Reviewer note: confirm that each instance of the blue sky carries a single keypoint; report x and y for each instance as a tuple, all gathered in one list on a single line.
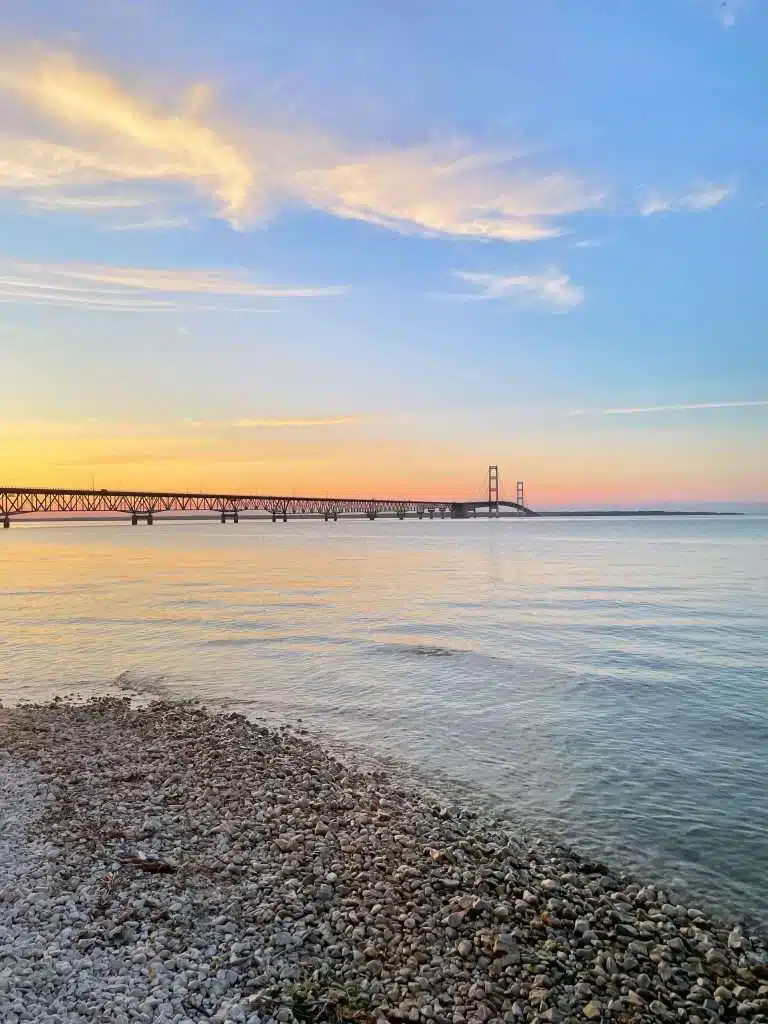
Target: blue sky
[(372, 247)]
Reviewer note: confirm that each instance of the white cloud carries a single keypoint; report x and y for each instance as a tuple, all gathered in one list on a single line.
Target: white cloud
[(90, 132), (139, 289), (681, 407), (551, 289), (701, 197)]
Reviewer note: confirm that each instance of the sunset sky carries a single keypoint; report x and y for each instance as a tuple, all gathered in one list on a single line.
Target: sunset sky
[(363, 248)]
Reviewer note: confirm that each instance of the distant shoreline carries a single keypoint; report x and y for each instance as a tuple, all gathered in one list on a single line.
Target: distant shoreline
[(636, 512)]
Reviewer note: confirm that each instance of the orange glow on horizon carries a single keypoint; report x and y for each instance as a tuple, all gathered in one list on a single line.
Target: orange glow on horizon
[(354, 466)]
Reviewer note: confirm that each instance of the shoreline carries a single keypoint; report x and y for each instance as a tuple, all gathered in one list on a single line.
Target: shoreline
[(285, 881)]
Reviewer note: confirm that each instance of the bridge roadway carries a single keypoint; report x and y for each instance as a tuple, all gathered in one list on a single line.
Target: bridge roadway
[(145, 505)]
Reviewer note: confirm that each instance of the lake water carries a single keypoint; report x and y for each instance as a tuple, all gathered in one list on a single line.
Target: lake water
[(603, 680)]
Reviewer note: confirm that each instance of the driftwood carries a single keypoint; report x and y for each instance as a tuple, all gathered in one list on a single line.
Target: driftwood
[(152, 864)]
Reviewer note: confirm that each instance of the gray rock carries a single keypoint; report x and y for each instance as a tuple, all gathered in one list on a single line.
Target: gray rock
[(504, 944), (269, 896)]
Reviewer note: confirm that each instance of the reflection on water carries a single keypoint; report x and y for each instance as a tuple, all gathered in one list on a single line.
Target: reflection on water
[(606, 679)]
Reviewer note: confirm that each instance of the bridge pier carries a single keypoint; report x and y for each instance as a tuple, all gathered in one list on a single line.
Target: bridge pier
[(6, 522), (230, 515), (136, 516)]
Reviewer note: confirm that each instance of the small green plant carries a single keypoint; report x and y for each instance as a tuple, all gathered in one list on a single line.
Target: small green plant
[(312, 1004)]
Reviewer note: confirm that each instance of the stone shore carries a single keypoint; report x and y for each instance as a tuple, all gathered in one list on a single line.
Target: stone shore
[(167, 865)]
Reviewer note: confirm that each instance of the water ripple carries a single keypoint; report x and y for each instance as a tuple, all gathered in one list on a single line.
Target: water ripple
[(602, 679)]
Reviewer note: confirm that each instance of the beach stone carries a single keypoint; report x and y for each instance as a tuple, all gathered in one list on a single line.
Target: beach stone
[(275, 901), (736, 940), (505, 944)]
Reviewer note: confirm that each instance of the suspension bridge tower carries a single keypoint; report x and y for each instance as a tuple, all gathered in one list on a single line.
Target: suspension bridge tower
[(493, 491), (494, 499)]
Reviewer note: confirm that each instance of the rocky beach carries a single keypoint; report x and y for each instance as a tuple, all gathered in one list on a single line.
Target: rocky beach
[(165, 864)]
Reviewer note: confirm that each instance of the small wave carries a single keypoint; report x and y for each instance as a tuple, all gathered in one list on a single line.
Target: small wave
[(152, 686), (230, 641)]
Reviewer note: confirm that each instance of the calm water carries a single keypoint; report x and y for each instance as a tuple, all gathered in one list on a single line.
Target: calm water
[(604, 680)]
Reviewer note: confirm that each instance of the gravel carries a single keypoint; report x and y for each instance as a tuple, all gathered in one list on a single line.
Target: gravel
[(164, 864)]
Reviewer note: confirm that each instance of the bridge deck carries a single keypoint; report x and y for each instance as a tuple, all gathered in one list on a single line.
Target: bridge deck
[(15, 501)]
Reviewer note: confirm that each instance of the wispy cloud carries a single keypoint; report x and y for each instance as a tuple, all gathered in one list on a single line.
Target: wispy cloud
[(91, 132), (47, 428), (139, 289), (164, 430), (446, 190), (551, 289), (154, 224), (701, 197), (680, 407), (248, 423), (64, 203)]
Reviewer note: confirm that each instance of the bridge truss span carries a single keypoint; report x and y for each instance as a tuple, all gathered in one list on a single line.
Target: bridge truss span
[(146, 505)]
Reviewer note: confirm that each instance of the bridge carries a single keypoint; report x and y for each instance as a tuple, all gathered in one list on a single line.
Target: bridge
[(144, 506)]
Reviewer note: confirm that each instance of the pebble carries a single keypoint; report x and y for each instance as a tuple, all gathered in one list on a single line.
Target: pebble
[(295, 880)]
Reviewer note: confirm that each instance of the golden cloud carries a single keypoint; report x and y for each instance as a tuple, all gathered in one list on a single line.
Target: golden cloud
[(135, 140), (109, 135)]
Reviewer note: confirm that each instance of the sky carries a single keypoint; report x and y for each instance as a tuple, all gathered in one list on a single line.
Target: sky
[(353, 248)]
